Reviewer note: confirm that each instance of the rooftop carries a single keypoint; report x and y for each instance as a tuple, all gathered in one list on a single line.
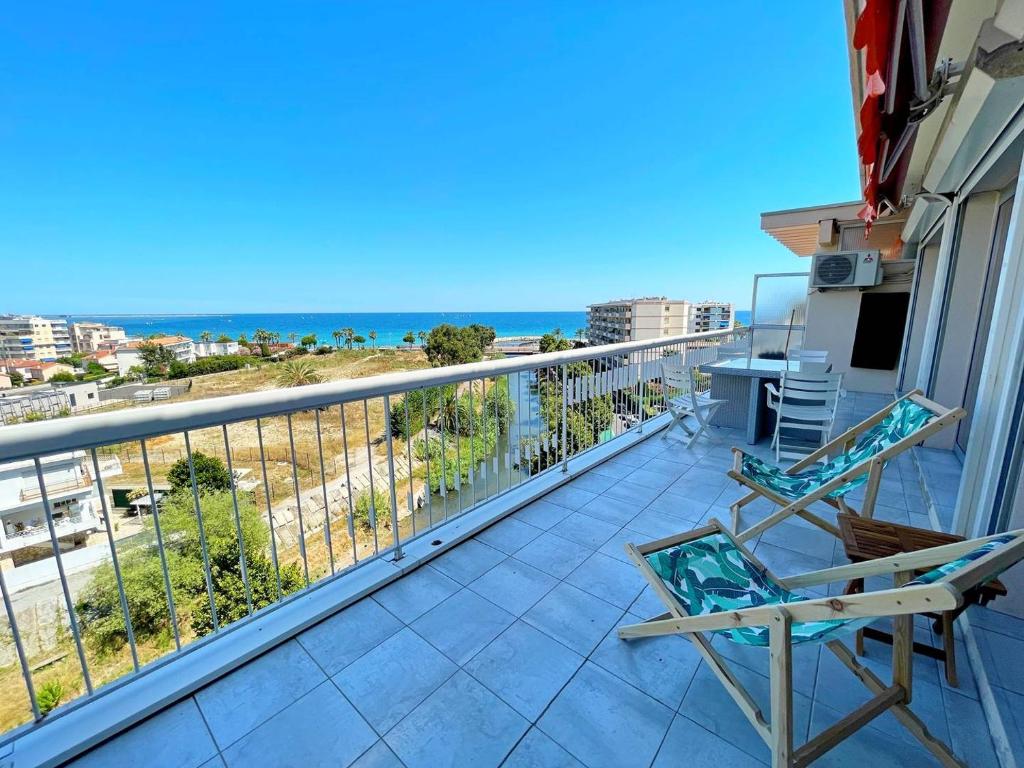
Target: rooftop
[(503, 650)]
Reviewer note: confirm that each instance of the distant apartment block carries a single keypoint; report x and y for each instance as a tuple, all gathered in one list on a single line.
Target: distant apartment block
[(30, 337), (74, 502), (709, 316), (93, 337), (129, 356), (650, 317), (210, 348)]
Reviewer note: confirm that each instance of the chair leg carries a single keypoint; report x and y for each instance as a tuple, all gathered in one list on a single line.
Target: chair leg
[(949, 646), (781, 647)]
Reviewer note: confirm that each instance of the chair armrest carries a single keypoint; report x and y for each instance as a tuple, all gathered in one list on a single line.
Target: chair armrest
[(899, 601)]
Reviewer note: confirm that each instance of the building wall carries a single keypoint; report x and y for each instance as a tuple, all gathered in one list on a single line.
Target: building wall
[(928, 257)]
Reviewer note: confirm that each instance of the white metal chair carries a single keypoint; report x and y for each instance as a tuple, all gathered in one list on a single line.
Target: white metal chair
[(683, 399), (808, 355), (803, 403)]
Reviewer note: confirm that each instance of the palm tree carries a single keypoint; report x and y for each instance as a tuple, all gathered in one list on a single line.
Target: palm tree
[(580, 333), (298, 373), (206, 336), (293, 337), (349, 334), (422, 335), (337, 338), (557, 333), (373, 338)]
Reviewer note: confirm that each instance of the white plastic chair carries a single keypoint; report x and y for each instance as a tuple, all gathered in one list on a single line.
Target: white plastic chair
[(683, 399), (805, 402), (808, 355)]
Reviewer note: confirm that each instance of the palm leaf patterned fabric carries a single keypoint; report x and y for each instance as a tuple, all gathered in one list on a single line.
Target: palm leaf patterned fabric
[(712, 575), (945, 570), (904, 420)]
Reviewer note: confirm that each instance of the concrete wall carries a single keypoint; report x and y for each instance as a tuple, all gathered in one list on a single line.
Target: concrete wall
[(832, 325)]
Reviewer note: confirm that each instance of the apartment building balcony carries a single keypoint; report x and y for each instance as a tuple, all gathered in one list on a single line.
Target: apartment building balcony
[(489, 638), (19, 533)]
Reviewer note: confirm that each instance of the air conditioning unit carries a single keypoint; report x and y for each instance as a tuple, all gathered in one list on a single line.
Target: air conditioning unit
[(846, 269)]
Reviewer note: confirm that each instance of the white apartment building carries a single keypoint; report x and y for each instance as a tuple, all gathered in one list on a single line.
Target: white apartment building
[(709, 316), (74, 501), (129, 356), (34, 338), (92, 337), (621, 320), (210, 348)]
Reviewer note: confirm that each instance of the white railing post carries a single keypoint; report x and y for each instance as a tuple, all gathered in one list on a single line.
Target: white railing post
[(391, 476), (565, 428)]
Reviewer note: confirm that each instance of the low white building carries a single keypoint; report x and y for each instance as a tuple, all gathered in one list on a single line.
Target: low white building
[(129, 356), (211, 348), (74, 504)]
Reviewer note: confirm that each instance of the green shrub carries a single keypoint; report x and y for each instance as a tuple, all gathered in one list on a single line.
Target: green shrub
[(211, 474), (49, 696), (381, 510)]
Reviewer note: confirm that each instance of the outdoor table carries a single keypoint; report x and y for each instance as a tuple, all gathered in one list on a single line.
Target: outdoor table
[(865, 539), (740, 382)]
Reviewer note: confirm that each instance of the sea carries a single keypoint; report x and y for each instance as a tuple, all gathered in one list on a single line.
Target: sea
[(390, 326)]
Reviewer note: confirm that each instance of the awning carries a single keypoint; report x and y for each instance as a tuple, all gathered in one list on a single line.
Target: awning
[(799, 229), (899, 40)]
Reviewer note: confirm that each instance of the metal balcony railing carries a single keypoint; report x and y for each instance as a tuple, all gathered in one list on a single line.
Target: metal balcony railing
[(340, 474)]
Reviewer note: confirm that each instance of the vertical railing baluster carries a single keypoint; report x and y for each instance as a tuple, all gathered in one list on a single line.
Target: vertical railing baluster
[(207, 572), (565, 428), (298, 500), (242, 563), (348, 488), (323, 486), (444, 454), (173, 614), (26, 671), (497, 427), (428, 492), (408, 456), (270, 510), (472, 446), (369, 467), (115, 562), (55, 543), (391, 476)]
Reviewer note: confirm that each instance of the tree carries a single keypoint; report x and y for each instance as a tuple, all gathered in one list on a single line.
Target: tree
[(484, 332), (350, 335), (293, 337), (422, 336), (243, 339), (223, 339), (206, 336), (211, 474), (373, 338), (99, 606), (450, 345), (17, 379), (360, 340), (554, 342), (581, 334), (62, 376), (155, 358), (308, 341), (337, 338), (409, 338), (298, 373)]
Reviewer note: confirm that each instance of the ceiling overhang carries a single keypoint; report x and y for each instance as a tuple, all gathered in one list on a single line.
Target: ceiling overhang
[(800, 229)]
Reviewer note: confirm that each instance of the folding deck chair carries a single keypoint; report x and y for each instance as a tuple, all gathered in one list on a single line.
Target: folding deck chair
[(861, 454), (682, 399), (803, 403), (710, 583)]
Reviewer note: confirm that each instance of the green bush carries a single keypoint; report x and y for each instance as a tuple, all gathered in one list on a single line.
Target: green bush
[(211, 474), (381, 510), (204, 365), (49, 696), (99, 606)]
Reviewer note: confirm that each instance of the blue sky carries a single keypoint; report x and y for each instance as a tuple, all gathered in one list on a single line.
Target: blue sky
[(385, 156)]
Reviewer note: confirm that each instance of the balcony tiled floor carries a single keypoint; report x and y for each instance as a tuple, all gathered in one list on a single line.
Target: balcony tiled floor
[(503, 652)]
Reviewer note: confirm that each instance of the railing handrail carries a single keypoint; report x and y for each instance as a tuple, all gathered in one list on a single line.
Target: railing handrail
[(23, 441)]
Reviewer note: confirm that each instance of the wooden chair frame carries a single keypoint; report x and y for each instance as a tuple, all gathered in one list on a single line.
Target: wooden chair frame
[(872, 467), (901, 603)]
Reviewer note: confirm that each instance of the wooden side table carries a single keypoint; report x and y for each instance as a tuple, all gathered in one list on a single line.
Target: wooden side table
[(866, 539)]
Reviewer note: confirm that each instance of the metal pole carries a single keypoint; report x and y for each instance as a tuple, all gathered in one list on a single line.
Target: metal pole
[(270, 512), (26, 672), (298, 500), (565, 431), (391, 474), (160, 547), (207, 573), (238, 527), (323, 485)]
